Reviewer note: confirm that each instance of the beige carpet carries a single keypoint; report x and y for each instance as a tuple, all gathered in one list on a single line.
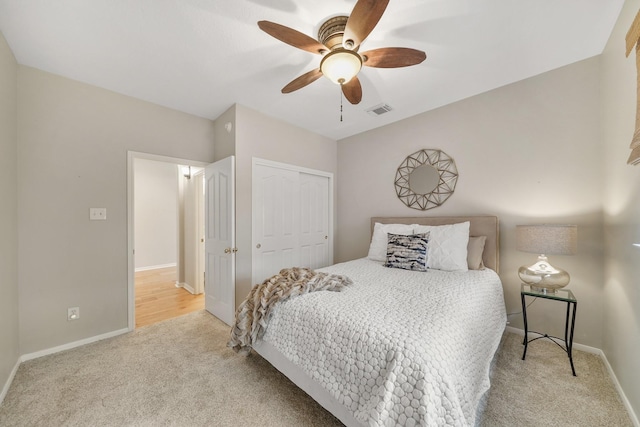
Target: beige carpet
[(179, 373)]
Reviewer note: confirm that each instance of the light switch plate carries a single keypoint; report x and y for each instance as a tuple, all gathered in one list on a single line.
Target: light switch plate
[(97, 214)]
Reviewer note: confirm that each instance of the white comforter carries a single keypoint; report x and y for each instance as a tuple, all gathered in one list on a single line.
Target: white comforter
[(397, 347)]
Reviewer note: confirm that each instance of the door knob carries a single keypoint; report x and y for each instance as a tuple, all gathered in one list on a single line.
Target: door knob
[(258, 246), (227, 250)]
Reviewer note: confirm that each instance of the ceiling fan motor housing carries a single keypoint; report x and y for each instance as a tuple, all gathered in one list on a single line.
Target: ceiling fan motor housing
[(331, 31)]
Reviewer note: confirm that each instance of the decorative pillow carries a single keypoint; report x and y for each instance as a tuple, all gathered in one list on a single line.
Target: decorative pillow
[(475, 248), (378, 247), (408, 252), (447, 246)]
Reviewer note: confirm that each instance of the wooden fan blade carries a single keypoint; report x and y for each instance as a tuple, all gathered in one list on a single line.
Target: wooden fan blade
[(363, 18), (392, 57), (353, 91), (302, 81), (292, 37)]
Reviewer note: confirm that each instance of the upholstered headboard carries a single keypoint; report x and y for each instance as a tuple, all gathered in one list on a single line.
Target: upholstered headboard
[(479, 226)]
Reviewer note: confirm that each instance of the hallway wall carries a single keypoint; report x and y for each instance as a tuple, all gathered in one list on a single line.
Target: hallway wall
[(156, 213)]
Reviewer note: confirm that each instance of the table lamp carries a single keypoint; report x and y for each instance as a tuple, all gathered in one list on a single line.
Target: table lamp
[(546, 239)]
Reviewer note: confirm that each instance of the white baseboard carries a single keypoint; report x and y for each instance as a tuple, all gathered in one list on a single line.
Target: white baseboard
[(612, 375), (625, 401), (186, 287), (7, 384), (155, 267), (71, 345), (46, 352)]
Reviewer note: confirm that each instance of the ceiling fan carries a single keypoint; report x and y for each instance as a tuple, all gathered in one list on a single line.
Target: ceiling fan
[(339, 40)]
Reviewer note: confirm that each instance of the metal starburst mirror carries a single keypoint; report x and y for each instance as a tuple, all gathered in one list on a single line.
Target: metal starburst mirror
[(426, 179)]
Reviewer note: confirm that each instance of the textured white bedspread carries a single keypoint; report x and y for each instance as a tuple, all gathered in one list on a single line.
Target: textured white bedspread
[(397, 347)]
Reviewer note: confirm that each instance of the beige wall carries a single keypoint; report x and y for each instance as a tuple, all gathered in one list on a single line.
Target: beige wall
[(261, 136), (528, 152), (621, 342), (72, 155), (9, 350), (225, 145)]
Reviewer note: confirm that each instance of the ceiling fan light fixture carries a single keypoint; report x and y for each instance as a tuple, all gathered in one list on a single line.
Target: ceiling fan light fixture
[(339, 40), (341, 65)]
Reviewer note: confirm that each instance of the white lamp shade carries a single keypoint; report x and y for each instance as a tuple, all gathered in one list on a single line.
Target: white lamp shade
[(341, 65), (548, 239)]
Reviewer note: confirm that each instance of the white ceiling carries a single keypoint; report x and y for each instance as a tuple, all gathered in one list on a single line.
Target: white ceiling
[(202, 56)]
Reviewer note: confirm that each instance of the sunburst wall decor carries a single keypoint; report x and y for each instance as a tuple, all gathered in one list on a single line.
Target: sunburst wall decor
[(426, 179)]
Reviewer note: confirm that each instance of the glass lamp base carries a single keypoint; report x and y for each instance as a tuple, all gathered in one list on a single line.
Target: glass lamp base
[(543, 276)]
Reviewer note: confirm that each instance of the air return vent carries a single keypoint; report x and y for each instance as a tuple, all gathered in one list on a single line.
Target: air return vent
[(379, 109)]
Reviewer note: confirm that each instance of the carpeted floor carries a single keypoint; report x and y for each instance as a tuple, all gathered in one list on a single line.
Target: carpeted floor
[(179, 373), (541, 391)]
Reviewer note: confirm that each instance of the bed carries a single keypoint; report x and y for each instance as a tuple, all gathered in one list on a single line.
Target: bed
[(397, 347)]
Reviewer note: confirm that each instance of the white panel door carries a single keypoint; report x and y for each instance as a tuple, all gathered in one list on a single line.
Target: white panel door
[(275, 221), (220, 239), (314, 221)]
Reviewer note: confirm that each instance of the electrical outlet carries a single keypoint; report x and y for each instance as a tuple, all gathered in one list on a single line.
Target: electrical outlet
[(98, 214), (73, 313)]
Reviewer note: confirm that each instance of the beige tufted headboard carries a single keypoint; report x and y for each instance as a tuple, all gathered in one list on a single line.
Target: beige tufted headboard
[(479, 226)]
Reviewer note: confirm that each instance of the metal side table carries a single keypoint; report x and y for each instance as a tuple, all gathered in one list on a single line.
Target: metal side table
[(563, 295)]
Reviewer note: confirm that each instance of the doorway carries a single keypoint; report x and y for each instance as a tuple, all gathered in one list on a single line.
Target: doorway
[(165, 237)]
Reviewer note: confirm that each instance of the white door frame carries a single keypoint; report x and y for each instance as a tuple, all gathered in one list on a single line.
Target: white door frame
[(255, 161), (131, 156), (200, 261)]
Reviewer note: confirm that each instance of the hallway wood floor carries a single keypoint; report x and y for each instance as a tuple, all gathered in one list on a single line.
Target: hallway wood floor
[(158, 298)]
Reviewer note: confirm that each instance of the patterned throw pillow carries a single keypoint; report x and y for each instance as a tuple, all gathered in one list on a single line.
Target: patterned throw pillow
[(379, 240), (408, 252)]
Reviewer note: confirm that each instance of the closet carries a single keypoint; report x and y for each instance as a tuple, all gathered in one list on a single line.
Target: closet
[(292, 218)]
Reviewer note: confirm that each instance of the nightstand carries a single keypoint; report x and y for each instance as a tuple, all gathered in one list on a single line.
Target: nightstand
[(562, 295)]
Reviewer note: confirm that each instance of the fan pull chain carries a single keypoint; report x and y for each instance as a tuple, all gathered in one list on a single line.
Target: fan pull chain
[(341, 102)]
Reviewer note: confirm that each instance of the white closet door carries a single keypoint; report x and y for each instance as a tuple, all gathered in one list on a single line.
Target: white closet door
[(314, 221), (276, 219), (292, 218)]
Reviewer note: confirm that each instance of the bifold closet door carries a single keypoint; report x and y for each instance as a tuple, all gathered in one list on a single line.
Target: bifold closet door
[(276, 216), (290, 220), (314, 220)]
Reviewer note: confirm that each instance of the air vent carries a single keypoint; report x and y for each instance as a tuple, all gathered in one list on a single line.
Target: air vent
[(379, 109)]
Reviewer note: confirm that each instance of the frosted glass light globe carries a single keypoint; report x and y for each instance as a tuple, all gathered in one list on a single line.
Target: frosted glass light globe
[(341, 65)]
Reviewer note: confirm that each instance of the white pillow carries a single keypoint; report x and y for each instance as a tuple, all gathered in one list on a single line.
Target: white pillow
[(379, 240), (447, 246)]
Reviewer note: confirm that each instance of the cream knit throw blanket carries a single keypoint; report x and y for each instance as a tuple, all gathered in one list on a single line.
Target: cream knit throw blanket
[(252, 315)]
